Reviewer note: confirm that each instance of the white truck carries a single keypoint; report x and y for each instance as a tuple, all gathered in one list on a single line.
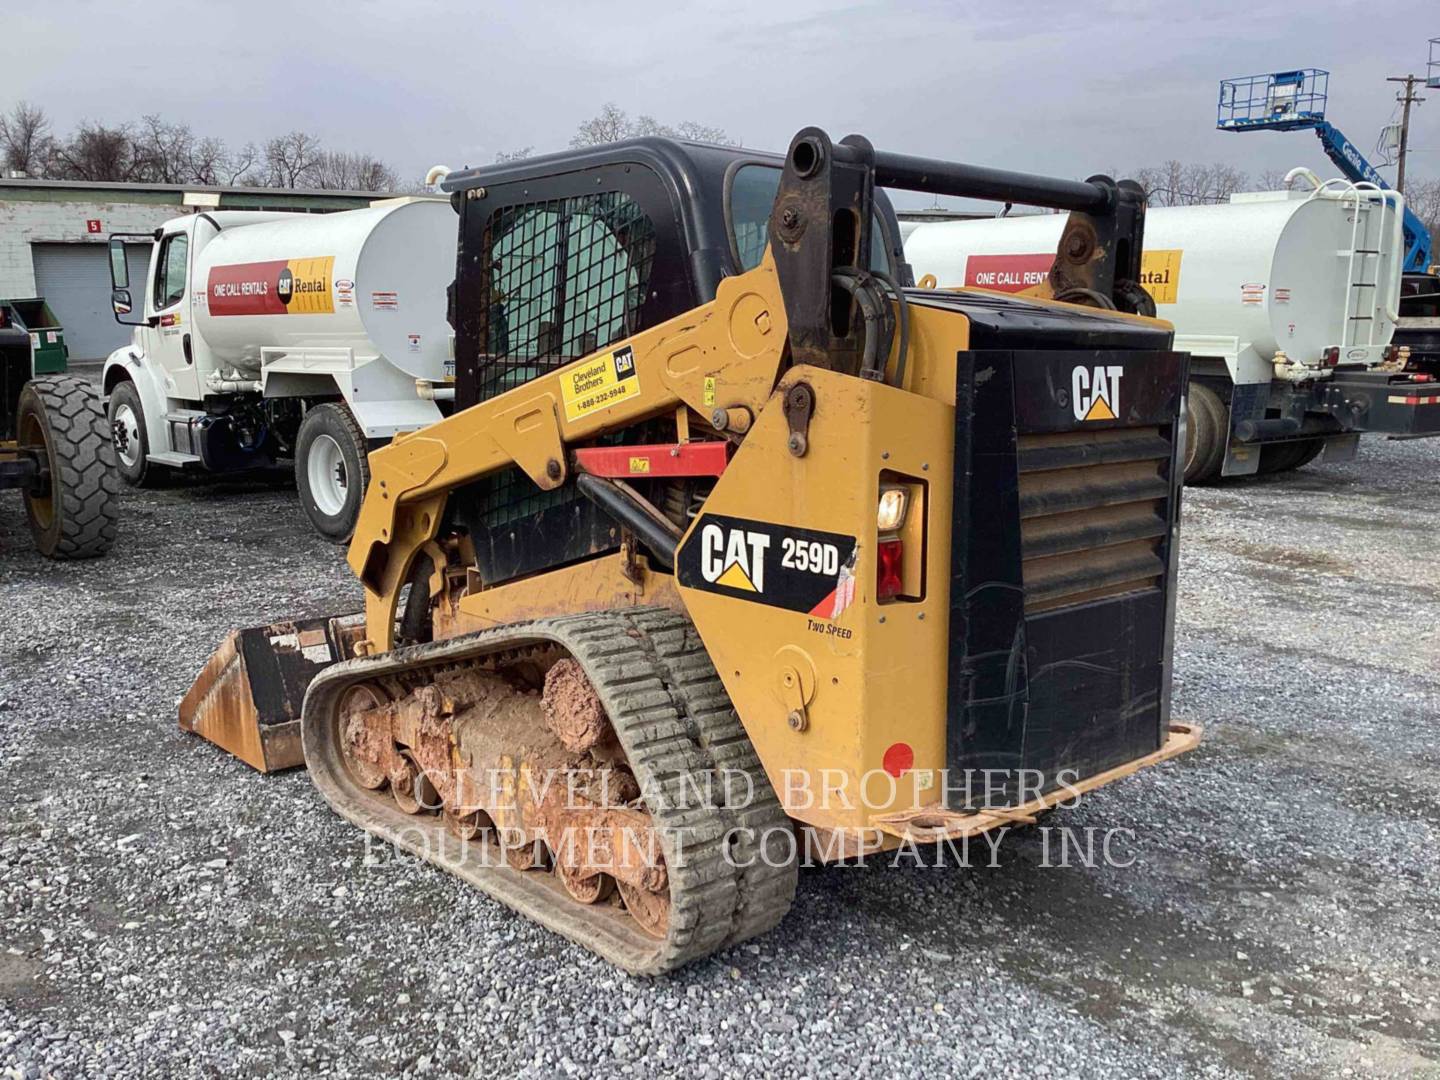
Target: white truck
[(261, 336), (1286, 300)]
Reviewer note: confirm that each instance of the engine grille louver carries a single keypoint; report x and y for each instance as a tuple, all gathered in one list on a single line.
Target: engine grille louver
[(1093, 512)]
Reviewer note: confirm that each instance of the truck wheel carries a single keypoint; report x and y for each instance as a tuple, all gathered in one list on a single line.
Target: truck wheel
[(1207, 428), (332, 470), (1288, 456), (75, 517), (1312, 451), (130, 439)]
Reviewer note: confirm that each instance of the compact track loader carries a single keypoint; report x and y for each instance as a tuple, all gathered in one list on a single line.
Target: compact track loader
[(732, 530)]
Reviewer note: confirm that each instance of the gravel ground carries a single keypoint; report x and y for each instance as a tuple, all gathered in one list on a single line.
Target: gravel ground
[(166, 911)]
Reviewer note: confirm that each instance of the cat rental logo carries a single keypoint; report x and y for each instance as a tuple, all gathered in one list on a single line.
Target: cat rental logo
[(1095, 392), (736, 560)]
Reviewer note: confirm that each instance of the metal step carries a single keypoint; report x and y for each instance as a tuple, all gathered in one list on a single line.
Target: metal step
[(175, 458)]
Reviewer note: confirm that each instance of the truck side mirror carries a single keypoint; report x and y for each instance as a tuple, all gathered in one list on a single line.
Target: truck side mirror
[(122, 305), (119, 270)]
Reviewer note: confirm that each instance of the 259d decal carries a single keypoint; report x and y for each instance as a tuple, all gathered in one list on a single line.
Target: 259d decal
[(778, 565)]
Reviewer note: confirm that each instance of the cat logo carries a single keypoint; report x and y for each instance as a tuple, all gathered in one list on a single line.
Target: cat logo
[(734, 558), (1095, 392)]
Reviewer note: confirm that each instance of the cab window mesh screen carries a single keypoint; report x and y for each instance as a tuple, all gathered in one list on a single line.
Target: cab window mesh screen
[(566, 277)]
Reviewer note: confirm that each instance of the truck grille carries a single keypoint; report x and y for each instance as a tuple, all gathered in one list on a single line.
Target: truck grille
[(1093, 513)]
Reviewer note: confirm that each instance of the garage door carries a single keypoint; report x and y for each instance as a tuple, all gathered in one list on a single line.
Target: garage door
[(74, 279)]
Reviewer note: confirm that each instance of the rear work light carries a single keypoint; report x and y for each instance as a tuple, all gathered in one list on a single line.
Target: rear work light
[(894, 502), (889, 572), (900, 533)]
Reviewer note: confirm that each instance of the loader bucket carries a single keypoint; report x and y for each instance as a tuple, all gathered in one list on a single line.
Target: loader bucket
[(247, 698)]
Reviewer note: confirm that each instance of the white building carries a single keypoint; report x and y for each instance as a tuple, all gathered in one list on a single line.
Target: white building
[(53, 237)]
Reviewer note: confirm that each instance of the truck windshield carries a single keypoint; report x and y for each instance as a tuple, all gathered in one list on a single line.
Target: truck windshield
[(752, 194)]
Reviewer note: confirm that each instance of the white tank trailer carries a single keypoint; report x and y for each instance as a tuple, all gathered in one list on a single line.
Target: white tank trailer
[(1287, 302), (261, 336)]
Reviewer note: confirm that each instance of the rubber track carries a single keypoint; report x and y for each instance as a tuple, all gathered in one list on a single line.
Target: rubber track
[(85, 484), (660, 693), (767, 878)]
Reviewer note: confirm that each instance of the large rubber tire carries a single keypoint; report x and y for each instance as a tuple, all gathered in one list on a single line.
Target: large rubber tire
[(1207, 432), (76, 518), (332, 470), (130, 439)]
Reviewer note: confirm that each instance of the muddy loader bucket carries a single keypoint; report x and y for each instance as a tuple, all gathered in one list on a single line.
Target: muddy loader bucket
[(247, 699)]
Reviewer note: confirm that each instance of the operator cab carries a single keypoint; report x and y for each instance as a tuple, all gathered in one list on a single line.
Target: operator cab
[(562, 254)]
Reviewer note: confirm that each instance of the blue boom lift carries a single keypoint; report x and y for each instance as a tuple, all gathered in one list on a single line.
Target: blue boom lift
[(1295, 101)]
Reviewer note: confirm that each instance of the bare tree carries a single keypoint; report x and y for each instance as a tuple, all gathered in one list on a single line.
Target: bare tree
[(164, 153), (1175, 184), (161, 152), (338, 171), (291, 160), (239, 167), (644, 124), (211, 163), (25, 142), (613, 124), (515, 155), (1273, 180), (695, 132), (97, 152), (1423, 197)]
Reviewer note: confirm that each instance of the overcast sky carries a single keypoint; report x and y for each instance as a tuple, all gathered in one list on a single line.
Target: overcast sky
[(1064, 88)]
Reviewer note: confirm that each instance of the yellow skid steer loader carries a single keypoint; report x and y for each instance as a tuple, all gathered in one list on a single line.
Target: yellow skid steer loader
[(733, 530)]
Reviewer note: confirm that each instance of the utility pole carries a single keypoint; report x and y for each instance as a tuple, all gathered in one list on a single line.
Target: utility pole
[(1405, 99)]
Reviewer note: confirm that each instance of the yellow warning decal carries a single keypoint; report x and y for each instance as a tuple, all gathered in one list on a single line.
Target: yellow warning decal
[(1160, 274), (596, 384), (639, 464), (708, 397)]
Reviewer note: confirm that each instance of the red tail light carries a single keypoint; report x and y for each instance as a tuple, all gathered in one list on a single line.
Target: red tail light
[(889, 582), (1330, 357)]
